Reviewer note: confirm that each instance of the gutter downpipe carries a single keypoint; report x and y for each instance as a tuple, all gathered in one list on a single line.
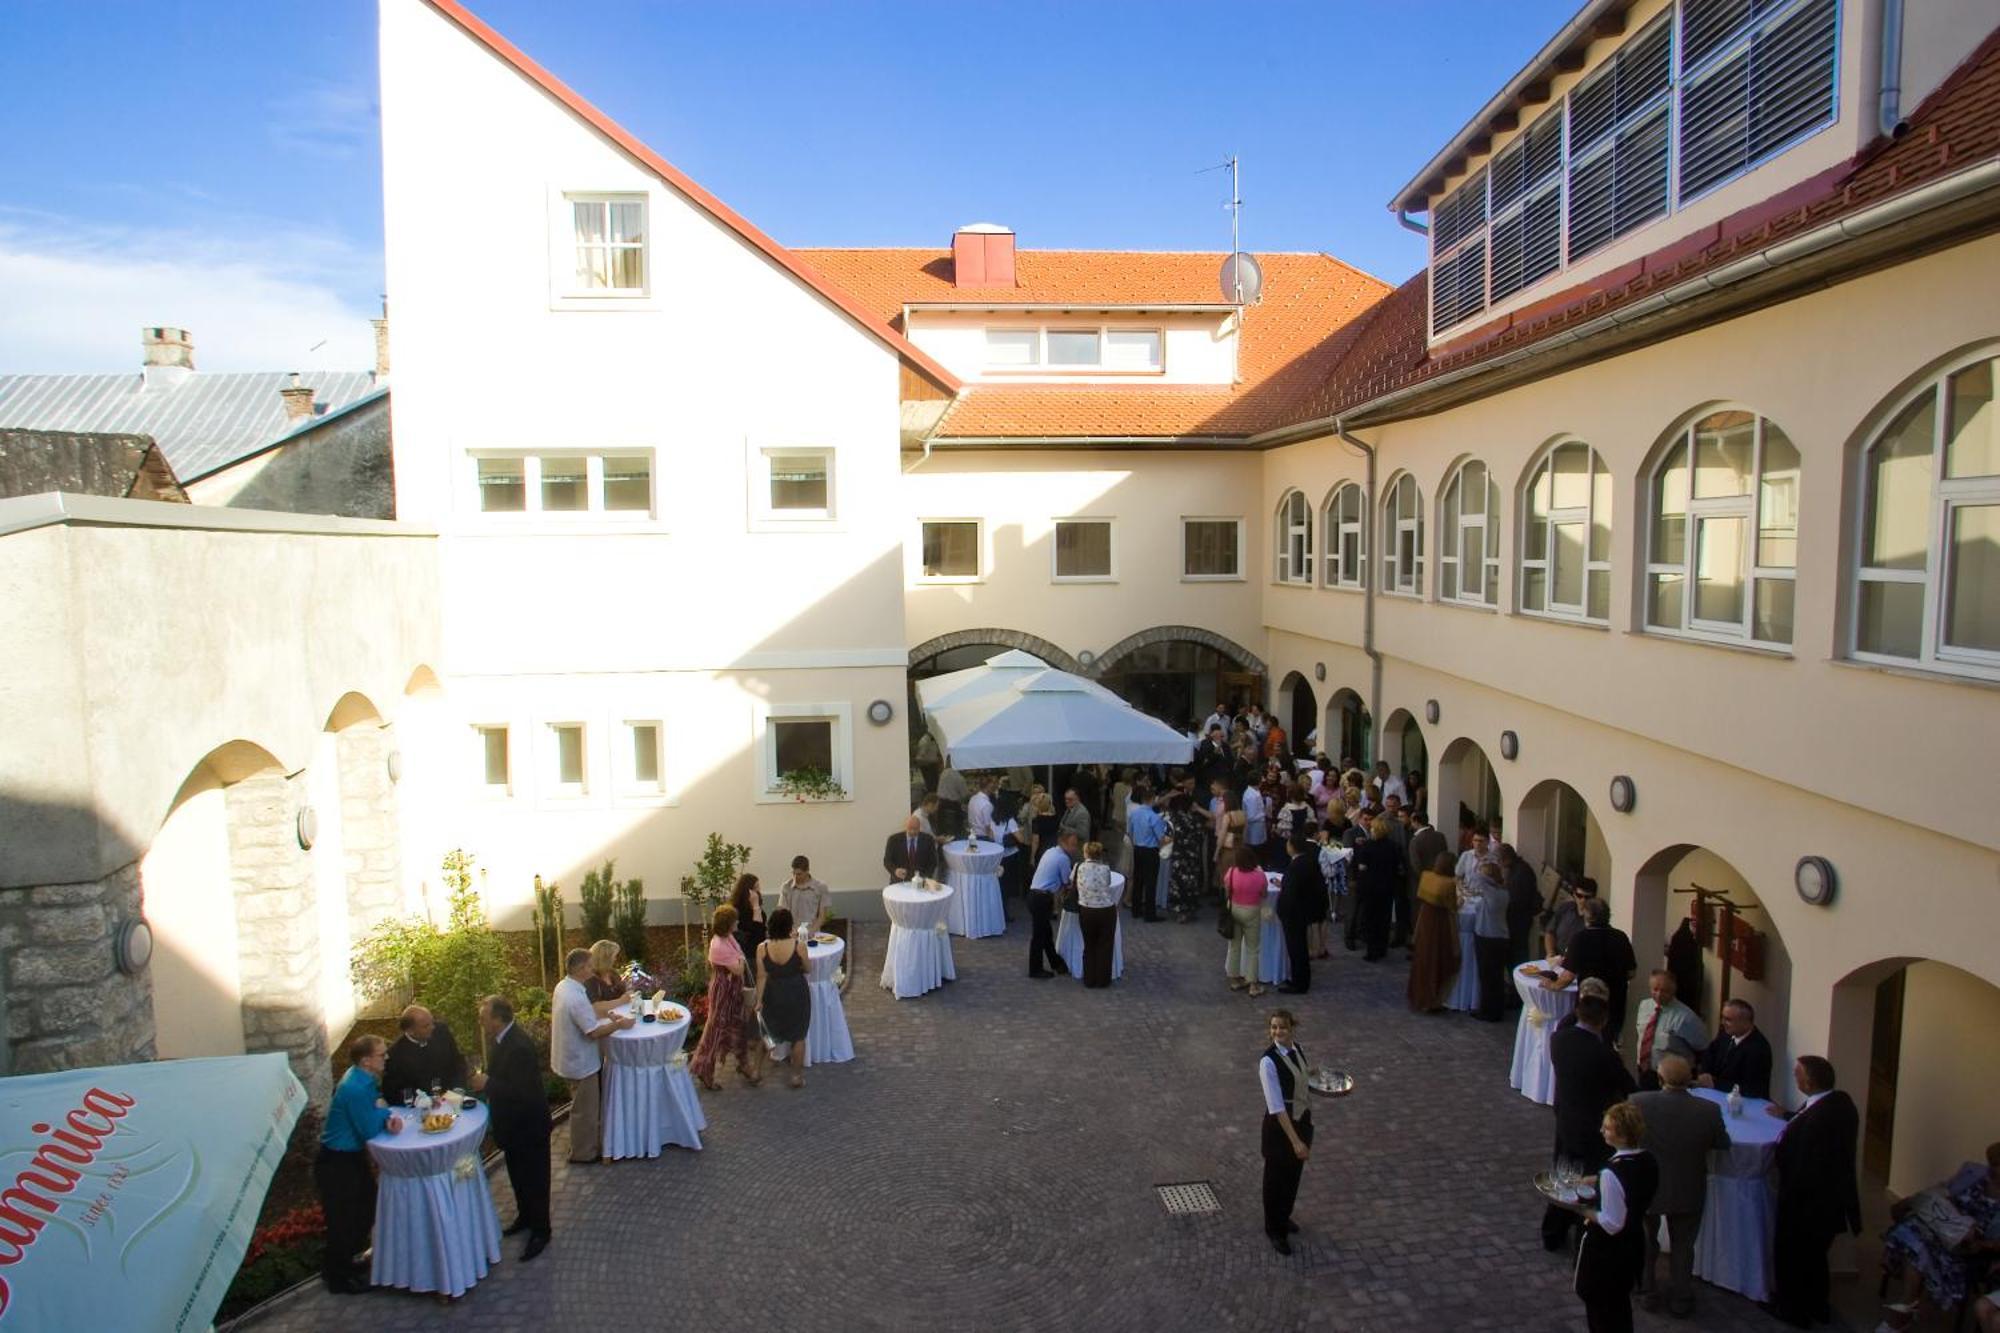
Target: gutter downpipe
[(1403, 217), (1367, 596), (1889, 100)]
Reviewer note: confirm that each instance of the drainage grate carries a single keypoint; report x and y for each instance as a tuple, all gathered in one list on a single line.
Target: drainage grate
[(1190, 1198)]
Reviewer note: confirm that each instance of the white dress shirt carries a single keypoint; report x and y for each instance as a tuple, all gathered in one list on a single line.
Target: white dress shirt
[(979, 814), (1274, 1091), (573, 1052)]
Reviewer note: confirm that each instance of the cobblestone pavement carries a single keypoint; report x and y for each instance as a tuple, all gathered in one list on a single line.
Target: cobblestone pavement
[(988, 1162)]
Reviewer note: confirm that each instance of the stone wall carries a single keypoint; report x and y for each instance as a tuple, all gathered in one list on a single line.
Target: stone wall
[(67, 1004), (277, 926), (369, 834)]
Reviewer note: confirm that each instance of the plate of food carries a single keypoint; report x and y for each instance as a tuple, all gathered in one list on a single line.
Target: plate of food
[(1330, 1082), (1558, 1190), (437, 1122), (824, 938), (671, 1015)]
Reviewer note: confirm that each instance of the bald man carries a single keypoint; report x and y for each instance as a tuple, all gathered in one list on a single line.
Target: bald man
[(424, 1054)]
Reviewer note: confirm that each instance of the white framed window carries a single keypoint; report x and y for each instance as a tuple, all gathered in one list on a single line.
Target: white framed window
[(794, 738), (1081, 551), (794, 485), (1211, 549), (642, 761), (1347, 537), (1566, 535), (1293, 530), (1722, 540), (494, 758), (1755, 79), (1469, 537), (1403, 537), (1071, 347), (561, 485), (608, 244), (567, 763), (1927, 590), (951, 549)]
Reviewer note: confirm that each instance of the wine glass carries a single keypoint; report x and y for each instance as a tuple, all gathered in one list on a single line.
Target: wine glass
[(409, 1098)]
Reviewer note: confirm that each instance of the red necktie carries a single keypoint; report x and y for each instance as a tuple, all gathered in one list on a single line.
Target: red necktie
[(1646, 1039)]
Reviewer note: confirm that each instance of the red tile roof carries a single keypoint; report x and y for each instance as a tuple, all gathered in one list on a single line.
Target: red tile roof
[(1957, 126), (1291, 338)]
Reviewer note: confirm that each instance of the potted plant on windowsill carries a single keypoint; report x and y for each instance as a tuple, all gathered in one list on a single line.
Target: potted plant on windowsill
[(809, 784)]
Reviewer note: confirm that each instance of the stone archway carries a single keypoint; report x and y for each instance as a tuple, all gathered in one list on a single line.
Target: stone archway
[(1001, 638), (1661, 900), (1348, 733), (1145, 638), (1403, 745), (1466, 786), (1297, 710)]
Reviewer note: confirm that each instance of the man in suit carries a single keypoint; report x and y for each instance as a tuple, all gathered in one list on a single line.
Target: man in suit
[(1301, 901), (426, 1053), (1740, 1055), (911, 854), (1426, 845), (1818, 1195), (1589, 1078), (520, 1107), (1681, 1130)]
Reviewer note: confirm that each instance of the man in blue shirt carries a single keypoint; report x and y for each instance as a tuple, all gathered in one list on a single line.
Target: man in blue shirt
[(1050, 877), (346, 1185), (1147, 831)]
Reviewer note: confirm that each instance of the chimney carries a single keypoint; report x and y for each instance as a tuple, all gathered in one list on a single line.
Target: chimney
[(381, 327), (298, 399), (167, 356), (982, 255)]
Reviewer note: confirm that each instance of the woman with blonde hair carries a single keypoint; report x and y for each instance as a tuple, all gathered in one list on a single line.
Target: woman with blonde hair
[(727, 1032), (604, 986), (1379, 875), (1613, 1249), (1043, 825), (1096, 915)]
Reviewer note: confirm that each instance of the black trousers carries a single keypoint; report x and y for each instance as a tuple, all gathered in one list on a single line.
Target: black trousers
[(1042, 955), (1146, 882), (1297, 952), (1100, 935), (1282, 1170), (1405, 926), (1798, 1263), (1374, 909), (528, 1173), (1608, 1313), (347, 1194), (1493, 988)]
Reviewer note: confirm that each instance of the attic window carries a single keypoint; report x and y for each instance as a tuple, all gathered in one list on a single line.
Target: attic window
[(1071, 348), (1757, 78)]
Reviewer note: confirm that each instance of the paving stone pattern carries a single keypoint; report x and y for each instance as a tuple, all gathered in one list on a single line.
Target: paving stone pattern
[(988, 1161)]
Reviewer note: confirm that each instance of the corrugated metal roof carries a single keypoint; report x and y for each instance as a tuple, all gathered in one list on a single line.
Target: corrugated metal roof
[(204, 422)]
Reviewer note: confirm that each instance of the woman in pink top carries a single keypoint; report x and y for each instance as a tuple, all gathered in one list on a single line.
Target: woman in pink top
[(726, 1032), (1244, 884)]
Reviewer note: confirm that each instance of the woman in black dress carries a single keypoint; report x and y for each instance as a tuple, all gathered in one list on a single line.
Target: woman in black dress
[(748, 900), (1187, 873), (783, 1001)]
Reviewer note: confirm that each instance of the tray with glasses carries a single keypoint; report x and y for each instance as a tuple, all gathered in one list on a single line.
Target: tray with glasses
[(1564, 1187), (1327, 1082)]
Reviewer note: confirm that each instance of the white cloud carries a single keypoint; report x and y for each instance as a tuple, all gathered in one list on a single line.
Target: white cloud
[(75, 300), (324, 119)]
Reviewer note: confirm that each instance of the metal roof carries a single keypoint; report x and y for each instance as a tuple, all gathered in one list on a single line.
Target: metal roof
[(204, 422)]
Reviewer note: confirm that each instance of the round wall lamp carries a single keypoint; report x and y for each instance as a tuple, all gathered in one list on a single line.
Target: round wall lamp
[(1813, 877), (308, 827), (880, 712), (1086, 659), (1431, 711), (1319, 671), (1623, 794), (395, 765), (1510, 745), (132, 946)]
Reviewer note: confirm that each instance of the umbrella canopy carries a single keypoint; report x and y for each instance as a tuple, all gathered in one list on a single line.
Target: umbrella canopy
[(1045, 717), (132, 1189), (997, 673)]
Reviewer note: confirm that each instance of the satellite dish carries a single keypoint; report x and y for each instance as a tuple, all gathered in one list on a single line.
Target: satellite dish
[(1242, 280)]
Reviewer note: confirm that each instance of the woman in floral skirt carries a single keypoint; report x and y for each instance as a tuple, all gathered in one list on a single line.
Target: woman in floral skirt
[(726, 1033), (1187, 873)]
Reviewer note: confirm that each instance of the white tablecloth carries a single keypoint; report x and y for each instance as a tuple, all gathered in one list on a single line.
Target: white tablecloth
[(1734, 1248), (649, 1098), (973, 869), (1540, 1010), (1166, 874), (1274, 965), (435, 1228), (1069, 938), (827, 1041), (919, 954), (1465, 990)]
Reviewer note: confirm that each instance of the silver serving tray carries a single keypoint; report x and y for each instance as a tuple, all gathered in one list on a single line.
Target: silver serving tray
[(1329, 1082), (1546, 1186)]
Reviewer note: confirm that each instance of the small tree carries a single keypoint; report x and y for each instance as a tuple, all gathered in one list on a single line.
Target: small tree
[(548, 924), (713, 878), (628, 919), (448, 970), (595, 896)]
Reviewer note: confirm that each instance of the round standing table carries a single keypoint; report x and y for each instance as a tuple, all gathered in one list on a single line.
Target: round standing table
[(649, 1098), (919, 954), (1541, 1009), (1465, 990), (1069, 937), (973, 870), (1740, 1214), (435, 1228), (827, 1041)]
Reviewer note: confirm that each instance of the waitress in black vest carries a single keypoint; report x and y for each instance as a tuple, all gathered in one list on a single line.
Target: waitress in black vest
[(1613, 1248), (1288, 1128)]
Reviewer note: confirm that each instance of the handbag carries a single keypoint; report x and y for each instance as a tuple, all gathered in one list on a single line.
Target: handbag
[(1225, 921)]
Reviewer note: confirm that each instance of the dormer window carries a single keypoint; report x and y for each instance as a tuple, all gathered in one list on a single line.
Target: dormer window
[(1068, 348)]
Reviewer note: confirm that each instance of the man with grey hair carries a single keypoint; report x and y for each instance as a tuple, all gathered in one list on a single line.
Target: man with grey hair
[(1681, 1131), (574, 1030)]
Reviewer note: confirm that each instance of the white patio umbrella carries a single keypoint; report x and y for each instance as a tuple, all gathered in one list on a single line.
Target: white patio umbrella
[(1048, 717)]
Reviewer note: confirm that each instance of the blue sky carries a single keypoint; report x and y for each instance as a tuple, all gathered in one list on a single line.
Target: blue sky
[(216, 164)]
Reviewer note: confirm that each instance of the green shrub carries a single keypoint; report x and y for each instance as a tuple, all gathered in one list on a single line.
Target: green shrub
[(713, 878), (595, 897), (548, 923), (449, 970), (628, 919)]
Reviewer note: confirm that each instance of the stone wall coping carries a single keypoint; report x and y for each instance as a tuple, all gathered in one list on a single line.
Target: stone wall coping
[(27, 512)]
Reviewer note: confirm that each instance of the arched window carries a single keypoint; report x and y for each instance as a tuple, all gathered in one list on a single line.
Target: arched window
[(1469, 537), (1347, 537), (1566, 536), (1403, 537), (1294, 529), (1722, 544), (1928, 587)]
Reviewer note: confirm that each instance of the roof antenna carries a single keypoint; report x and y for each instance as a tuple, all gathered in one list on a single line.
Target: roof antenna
[(1242, 280)]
